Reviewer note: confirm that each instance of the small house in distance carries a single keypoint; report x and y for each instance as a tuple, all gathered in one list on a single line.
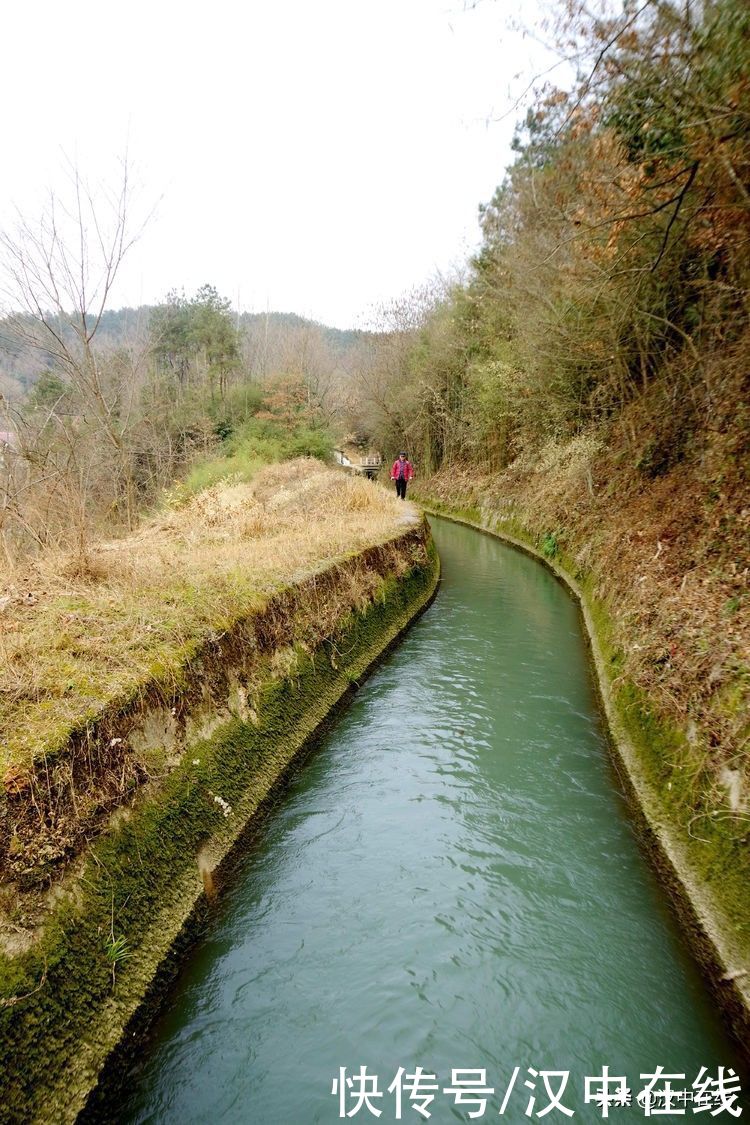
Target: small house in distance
[(355, 460)]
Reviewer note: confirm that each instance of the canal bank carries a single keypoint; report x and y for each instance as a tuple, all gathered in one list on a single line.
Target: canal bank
[(79, 958), (699, 874), (451, 881)]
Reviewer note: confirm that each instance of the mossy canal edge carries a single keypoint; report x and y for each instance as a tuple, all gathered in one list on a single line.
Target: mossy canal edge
[(120, 919), (709, 916)]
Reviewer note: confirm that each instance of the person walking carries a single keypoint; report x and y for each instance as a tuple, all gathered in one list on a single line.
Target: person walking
[(402, 472)]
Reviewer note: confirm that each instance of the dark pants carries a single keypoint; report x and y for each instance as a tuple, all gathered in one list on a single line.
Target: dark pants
[(401, 487)]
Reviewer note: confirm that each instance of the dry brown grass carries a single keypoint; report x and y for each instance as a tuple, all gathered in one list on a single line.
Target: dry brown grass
[(75, 635)]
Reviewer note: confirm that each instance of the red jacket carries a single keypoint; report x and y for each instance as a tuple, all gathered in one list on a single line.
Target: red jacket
[(408, 469)]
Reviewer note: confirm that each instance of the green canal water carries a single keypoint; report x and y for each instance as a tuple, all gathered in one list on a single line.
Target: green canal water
[(450, 882)]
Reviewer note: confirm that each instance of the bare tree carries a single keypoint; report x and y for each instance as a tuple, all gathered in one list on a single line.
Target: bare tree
[(57, 274)]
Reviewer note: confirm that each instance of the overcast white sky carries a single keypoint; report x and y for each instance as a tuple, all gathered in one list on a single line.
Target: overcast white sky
[(318, 155)]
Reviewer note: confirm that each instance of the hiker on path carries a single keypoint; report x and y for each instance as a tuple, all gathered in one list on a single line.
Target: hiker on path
[(402, 471)]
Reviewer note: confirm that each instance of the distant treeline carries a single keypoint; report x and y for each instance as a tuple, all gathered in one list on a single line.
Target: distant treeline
[(268, 336)]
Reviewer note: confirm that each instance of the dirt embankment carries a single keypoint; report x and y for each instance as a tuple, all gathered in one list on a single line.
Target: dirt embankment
[(260, 607)]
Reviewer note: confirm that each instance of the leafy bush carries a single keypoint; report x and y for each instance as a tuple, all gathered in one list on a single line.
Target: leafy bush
[(239, 404), (550, 547)]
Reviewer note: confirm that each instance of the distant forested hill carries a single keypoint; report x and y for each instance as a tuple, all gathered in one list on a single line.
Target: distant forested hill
[(272, 341)]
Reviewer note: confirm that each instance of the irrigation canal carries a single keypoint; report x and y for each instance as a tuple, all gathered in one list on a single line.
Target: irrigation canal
[(450, 882)]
